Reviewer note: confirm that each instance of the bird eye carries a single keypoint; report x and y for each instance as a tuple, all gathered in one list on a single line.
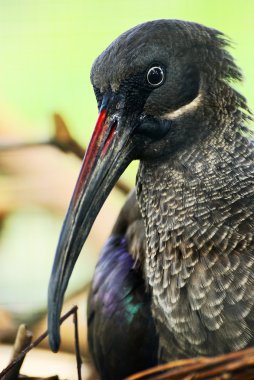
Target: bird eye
[(155, 76)]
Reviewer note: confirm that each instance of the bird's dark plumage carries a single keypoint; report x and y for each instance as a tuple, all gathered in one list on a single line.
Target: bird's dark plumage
[(164, 89), (119, 315), (119, 306)]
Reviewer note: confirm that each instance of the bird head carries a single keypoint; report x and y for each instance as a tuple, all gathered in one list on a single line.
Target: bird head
[(158, 87)]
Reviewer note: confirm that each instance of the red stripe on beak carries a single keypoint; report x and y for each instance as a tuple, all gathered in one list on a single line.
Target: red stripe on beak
[(91, 152)]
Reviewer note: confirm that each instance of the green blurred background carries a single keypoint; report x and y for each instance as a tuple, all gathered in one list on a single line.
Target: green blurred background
[(47, 48), (46, 51)]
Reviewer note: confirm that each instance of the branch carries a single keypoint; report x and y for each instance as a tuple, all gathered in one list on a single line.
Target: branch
[(63, 139), (20, 357), (234, 366)]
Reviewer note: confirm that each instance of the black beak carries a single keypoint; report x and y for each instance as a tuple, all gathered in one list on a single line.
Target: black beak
[(110, 151)]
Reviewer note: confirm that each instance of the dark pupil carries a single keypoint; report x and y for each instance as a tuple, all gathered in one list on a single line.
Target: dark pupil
[(155, 76)]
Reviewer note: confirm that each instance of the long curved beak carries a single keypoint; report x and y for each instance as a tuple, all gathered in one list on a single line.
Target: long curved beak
[(110, 151)]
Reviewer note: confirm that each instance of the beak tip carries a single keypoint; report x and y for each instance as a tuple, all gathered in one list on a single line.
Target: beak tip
[(54, 335), (54, 343), (54, 310)]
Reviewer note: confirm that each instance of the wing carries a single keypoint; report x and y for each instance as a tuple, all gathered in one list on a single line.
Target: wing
[(121, 331)]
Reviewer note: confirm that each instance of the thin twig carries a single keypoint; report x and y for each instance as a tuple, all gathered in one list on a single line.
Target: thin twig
[(63, 139), (4, 147), (77, 350), (24, 377), (73, 310), (163, 367)]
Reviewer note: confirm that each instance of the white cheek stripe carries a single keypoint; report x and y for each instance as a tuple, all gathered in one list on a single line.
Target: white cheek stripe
[(192, 106)]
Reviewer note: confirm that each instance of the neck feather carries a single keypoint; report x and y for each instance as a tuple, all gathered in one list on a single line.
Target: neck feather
[(194, 209)]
